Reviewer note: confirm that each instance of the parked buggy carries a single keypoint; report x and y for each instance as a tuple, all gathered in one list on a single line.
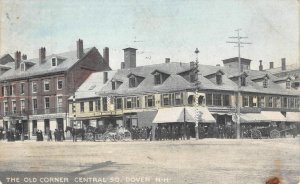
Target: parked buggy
[(273, 131), (102, 134)]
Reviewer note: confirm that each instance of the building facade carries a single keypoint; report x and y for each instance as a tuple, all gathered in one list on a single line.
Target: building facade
[(34, 92)]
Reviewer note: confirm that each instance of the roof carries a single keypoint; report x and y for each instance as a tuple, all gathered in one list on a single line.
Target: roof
[(235, 59), (291, 67), (69, 59), (6, 58)]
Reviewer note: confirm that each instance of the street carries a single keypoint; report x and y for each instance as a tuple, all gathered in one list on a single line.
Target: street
[(203, 161)]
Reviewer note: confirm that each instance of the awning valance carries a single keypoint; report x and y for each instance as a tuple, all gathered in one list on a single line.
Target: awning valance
[(293, 116), (183, 114), (273, 115), (252, 118)]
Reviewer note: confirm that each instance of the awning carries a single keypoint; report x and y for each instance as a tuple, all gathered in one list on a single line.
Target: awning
[(169, 115), (176, 115), (273, 115), (205, 117), (252, 118), (293, 116)]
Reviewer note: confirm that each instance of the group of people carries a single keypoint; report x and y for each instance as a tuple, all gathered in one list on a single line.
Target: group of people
[(58, 135), (140, 133)]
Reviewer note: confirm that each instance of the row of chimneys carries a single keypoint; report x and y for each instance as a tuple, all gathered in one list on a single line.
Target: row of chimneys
[(42, 54), (283, 64)]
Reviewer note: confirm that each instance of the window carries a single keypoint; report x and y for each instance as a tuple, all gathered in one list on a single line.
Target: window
[(91, 106), (47, 104), (261, 101), (226, 100), (132, 102), (59, 104), (129, 102), (81, 106), (284, 102), (46, 85), (178, 99), (22, 88), (270, 101), (119, 104), (265, 82), (34, 87), (22, 105), (209, 99), (104, 102), (11, 90), (219, 79), (166, 99), (149, 101), (34, 105), (291, 103), (157, 78), (34, 127), (22, 67), (288, 84), (297, 103), (132, 82), (6, 91), (113, 85), (217, 99), (98, 105), (59, 84), (245, 101), (14, 107), (5, 108), (243, 81), (54, 61), (250, 101)]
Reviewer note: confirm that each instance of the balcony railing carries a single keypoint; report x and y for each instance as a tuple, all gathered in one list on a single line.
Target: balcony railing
[(25, 112)]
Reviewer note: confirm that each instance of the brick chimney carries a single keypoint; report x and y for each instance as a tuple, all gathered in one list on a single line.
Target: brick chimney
[(17, 59), (24, 57), (106, 55), (167, 60), (130, 57), (79, 49), (105, 77), (260, 65), (42, 55), (271, 65), (283, 64)]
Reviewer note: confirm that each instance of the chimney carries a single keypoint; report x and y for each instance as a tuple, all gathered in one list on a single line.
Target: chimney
[(17, 59), (42, 55), (167, 60), (260, 65), (283, 64), (79, 49), (106, 55), (105, 77), (122, 65), (271, 65), (24, 57), (130, 57)]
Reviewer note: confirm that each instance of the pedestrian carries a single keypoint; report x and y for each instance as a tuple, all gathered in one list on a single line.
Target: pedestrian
[(49, 135), (41, 135)]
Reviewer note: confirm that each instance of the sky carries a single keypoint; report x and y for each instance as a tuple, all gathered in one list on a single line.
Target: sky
[(159, 29)]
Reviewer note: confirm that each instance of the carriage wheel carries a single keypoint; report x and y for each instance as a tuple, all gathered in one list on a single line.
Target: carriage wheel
[(274, 134), (89, 137), (255, 134)]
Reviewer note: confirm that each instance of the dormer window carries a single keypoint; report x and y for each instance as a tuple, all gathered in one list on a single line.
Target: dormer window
[(219, 79), (54, 62), (23, 67), (113, 85), (265, 82), (157, 78), (288, 84), (132, 81), (243, 81)]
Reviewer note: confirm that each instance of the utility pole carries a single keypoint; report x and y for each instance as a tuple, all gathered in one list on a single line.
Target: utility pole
[(196, 97), (240, 70)]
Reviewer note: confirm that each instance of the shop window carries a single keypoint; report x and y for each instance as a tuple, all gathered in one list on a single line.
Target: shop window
[(46, 126), (34, 127)]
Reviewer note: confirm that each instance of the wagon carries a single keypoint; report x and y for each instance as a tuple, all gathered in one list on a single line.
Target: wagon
[(271, 132), (98, 134)]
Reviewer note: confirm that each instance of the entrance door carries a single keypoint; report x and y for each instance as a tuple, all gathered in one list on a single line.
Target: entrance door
[(60, 123)]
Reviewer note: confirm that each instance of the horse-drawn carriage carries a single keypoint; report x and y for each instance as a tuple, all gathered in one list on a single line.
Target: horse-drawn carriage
[(272, 132), (100, 134)]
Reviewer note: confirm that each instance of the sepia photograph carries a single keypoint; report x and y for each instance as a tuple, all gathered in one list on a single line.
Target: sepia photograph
[(152, 91)]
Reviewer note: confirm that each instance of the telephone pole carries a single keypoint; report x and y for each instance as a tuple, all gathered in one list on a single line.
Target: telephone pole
[(239, 44)]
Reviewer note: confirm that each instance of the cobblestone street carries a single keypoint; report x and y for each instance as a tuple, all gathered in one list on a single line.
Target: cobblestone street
[(203, 161)]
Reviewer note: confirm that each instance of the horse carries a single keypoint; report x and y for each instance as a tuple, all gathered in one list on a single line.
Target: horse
[(75, 132)]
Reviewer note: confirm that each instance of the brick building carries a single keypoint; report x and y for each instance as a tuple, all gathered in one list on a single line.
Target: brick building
[(34, 92)]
